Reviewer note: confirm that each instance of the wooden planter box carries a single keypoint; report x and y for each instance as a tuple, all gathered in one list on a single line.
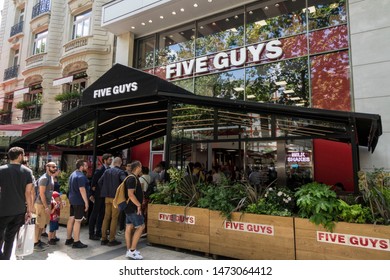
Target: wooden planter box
[(249, 236), (348, 241), (179, 227), (65, 211)]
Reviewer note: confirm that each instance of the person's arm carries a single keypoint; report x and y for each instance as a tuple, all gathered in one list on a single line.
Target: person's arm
[(42, 190), (83, 193), (133, 198)]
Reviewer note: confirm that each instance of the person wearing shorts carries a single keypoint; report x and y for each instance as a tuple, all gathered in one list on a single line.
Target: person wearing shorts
[(134, 217), (78, 185)]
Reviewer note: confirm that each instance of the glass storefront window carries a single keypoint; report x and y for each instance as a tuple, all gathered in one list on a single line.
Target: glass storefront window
[(325, 13), (282, 19), (145, 51), (223, 32), (176, 45), (192, 123), (284, 82), (187, 84), (229, 85), (81, 137)]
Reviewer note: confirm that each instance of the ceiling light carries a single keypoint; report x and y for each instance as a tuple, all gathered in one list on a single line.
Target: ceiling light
[(210, 1), (182, 33), (162, 17), (150, 21), (266, 8), (195, 5), (232, 30), (238, 89), (227, 19), (295, 98), (173, 13), (300, 104), (250, 96), (143, 23), (250, 12), (201, 27), (170, 36), (288, 91), (281, 83), (214, 23), (276, 5), (132, 27), (261, 23), (236, 16), (181, 10), (311, 9)]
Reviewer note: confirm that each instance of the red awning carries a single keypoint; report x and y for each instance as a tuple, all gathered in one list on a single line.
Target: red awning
[(23, 128)]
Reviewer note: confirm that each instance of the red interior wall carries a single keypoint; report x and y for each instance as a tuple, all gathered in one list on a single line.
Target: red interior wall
[(141, 152), (333, 163)]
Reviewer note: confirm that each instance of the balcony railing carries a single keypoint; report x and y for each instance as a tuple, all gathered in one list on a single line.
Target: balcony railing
[(32, 113), (17, 28), (76, 43), (6, 118), (11, 72), (41, 7), (70, 104)]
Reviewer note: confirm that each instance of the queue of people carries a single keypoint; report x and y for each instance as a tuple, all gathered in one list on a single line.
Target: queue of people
[(20, 200)]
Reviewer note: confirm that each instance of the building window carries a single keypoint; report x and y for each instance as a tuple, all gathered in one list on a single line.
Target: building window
[(40, 40), (145, 52), (81, 25)]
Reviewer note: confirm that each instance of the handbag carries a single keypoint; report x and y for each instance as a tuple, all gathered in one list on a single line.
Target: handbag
[(25, 239)]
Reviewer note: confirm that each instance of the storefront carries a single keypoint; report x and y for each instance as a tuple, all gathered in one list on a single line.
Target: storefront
[(127, 107)]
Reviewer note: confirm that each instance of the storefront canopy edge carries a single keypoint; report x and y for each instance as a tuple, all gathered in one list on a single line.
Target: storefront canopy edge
[(131, 107)]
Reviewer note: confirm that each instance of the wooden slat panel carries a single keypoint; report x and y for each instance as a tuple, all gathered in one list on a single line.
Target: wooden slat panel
[(65, 211), (247, 245), (187, 236), (308, 248)]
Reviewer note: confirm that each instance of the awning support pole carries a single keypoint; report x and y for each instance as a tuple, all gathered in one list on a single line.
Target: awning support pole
[(168, 135), (95, 136), (355, 158)]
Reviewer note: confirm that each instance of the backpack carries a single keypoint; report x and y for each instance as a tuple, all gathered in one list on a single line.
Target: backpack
[(36, 186), (152, 187), (121, 199)]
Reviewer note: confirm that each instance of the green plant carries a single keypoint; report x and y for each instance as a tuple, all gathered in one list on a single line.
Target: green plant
[(63, 180), (375, 189), (318, 203), (355, 213), (25, 104), (65, 96)]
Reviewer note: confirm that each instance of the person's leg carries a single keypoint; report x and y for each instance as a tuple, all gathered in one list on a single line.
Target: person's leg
[(99, 222), (76, 230), (114, 221), (106, 220), (136, 237), (94, 217), (10, 232), (3, 225), (129, 230)]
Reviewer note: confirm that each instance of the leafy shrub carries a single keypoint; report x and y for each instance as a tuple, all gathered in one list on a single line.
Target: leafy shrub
[(318, 203), (355, 213)]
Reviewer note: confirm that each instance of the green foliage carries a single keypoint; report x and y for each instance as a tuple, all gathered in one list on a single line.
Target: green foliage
[(65, 96), (375, 189), (318, 203), (355, 213), (25, 104), (63, 180)]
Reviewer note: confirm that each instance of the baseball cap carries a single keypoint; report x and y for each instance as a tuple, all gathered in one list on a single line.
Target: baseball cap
[(55, 194)]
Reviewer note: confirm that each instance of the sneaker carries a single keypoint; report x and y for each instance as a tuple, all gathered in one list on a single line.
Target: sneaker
[(104, 242), (56, 239), (94, 237), (52, 242), (44, 234), (38, 247), (69, 241), (44, 245), (135, 255), (114, 243), (120, 232), (79, 245)]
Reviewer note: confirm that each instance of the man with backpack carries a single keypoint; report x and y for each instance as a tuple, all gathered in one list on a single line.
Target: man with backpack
[(45, 188)]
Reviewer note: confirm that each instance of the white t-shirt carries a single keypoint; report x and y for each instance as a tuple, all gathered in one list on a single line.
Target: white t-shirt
[(145, 180)]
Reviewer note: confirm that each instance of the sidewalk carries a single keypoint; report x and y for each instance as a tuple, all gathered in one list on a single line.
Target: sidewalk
[(95, 251)]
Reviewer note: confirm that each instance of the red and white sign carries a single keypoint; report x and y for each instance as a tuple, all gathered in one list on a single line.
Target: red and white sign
[(249, 227), (354, 240), (176, 218)]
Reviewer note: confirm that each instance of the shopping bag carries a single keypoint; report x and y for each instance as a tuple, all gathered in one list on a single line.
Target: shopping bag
[(25, 239)]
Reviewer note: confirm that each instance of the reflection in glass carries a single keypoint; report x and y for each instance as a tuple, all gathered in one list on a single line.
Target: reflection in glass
[(229, 85), (80, 137), (324, 13), (145, 52), (187, 84), (284, 82), (222, 32), (282, 19), (176, 45)]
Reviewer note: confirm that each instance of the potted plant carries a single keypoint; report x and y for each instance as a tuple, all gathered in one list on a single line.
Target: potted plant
[(25, 104), (66, 96)]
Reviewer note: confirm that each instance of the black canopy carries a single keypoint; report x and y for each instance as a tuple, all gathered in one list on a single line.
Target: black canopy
[(131, 107)]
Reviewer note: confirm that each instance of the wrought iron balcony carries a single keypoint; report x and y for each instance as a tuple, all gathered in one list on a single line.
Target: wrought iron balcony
[(17, 28), (32, 113), (41, 7), (70, 104), (6, 118), (11, 72)]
